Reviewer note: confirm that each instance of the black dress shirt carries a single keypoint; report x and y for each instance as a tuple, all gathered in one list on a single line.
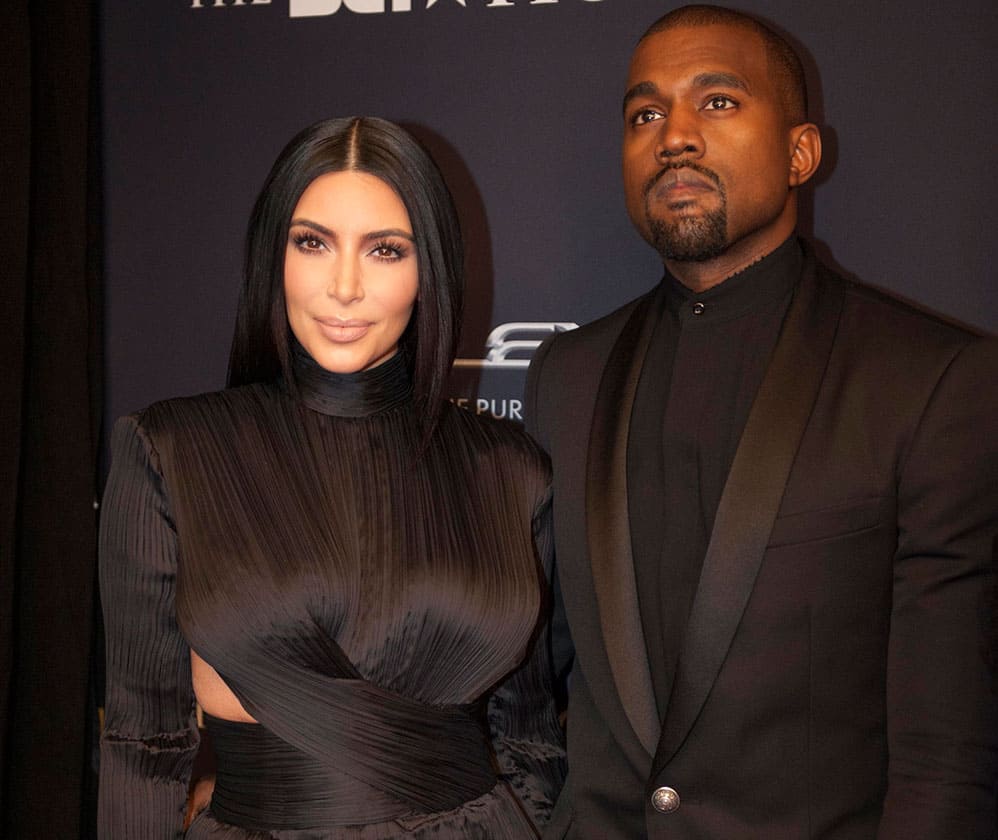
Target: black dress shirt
[(704, 365)]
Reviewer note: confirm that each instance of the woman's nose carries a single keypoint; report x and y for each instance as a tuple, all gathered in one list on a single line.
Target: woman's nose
[(346, 281)]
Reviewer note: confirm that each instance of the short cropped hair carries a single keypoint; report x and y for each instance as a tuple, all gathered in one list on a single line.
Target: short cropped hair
[(784, 63), (261, 345)]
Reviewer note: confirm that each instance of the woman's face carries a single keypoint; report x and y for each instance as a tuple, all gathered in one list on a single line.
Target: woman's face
[(350, 271)]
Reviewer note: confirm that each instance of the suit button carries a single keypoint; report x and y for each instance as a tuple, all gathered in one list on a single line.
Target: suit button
[(665, 800)]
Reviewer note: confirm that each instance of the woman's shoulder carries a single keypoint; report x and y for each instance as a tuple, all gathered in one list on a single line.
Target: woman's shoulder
[(180, 426), (178, 419), (213, 406), (493, 436)]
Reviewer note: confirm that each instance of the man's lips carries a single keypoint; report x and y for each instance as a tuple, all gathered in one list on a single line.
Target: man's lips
[(677, 183), (343, 332)]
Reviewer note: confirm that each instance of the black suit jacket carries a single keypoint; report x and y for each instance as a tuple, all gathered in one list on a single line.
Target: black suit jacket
[(835, 679)]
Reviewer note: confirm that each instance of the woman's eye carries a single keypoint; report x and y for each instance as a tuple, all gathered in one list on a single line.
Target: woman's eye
[(308, 242), (388, 251)]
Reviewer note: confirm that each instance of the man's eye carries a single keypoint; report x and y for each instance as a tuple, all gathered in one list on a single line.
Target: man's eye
[(645, 115), (720, 103)]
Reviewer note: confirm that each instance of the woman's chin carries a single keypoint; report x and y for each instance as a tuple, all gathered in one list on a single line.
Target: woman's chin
[(344, 359)]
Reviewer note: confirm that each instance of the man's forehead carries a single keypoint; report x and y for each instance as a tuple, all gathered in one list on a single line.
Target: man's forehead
[(715, 47)]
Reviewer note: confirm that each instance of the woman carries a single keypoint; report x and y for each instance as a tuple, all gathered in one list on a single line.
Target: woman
[(339, 565)]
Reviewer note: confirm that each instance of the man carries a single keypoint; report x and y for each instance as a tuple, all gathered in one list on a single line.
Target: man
[(775, 498)]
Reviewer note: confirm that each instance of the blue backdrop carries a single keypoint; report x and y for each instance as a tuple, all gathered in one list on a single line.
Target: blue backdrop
[(520, 102)]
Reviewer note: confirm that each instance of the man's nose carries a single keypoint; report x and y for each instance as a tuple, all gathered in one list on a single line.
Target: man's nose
[(679, 135)]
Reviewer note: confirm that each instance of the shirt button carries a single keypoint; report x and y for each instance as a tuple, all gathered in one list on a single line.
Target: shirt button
[(665, 800), (698, 308)]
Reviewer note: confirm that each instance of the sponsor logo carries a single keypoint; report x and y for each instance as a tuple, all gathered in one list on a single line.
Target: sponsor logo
[(495, 382), (501, 409), (222, 4), (510, 345), (321, 8)]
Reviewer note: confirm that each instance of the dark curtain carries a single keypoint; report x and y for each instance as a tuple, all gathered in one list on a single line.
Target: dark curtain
[(49, 414)]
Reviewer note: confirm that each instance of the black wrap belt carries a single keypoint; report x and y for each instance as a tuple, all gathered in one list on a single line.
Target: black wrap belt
[(263, 782)]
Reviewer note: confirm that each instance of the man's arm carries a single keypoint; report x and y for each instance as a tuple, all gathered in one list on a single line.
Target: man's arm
[(941, 704)]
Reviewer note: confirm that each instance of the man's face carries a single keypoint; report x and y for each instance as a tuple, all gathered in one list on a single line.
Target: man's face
[(707, 149)]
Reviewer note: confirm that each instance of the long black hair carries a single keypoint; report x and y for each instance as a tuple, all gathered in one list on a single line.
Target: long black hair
[(261, 349)]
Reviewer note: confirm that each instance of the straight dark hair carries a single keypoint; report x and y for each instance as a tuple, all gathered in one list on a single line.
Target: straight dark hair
[(261, 346)]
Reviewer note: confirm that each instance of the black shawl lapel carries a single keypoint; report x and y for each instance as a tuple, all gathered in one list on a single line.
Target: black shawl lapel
[(751, 498), (608, 527)]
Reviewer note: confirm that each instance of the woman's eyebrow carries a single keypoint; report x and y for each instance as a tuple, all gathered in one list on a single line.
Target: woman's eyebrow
[(309, 223), (374, 234), (381, 234)]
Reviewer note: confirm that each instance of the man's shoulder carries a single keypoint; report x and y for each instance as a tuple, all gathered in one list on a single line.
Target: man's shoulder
[(906, 324), (566, 369), (591, 342), (613, 322)]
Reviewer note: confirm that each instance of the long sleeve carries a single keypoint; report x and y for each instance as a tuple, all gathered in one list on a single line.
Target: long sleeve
[(526, 735), (941, 703), (150, 735)]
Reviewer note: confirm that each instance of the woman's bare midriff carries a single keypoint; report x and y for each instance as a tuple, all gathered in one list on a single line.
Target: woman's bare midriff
[(214, 696)]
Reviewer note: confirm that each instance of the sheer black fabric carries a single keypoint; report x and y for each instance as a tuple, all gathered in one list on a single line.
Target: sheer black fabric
[(370, 609)]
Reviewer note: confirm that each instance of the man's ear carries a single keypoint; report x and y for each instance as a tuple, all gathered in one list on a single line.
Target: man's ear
[(805, 152)]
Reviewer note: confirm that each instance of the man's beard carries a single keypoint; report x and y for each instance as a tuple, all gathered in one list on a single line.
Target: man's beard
[(689, 238)]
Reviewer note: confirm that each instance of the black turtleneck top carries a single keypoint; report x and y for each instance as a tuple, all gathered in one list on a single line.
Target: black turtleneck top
[(370, 607), (706, 360)]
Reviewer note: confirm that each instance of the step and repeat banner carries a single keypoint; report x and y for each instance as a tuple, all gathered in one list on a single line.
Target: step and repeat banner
[(520, 103)]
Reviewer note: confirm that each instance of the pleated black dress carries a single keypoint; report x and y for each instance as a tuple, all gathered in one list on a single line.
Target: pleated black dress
[(378, 614)]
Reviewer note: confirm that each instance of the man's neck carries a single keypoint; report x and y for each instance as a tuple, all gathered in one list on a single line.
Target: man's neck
[(700, 276)]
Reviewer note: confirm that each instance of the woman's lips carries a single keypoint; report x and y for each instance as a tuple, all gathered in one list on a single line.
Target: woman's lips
[(343, 332)]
